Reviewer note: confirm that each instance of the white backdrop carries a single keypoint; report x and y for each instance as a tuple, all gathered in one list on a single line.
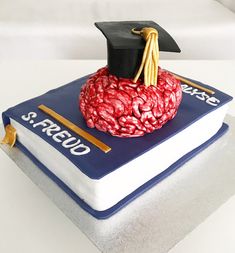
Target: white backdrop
[(63, 29), (229, 3)]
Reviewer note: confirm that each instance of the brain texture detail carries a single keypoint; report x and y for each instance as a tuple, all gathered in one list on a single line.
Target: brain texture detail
[(127, 109)]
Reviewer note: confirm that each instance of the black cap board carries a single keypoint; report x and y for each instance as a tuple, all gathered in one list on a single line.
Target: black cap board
[(125, 49)]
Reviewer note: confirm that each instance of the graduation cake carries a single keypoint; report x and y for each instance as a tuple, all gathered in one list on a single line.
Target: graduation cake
[(108, 137)]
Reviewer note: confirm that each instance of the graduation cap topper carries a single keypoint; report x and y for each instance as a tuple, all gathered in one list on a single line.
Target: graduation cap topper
[(133, 46)]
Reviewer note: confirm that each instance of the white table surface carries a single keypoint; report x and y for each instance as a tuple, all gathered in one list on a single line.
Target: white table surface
[(30, 222)]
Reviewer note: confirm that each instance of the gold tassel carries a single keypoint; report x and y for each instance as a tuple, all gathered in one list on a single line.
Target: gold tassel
[(150, 56)]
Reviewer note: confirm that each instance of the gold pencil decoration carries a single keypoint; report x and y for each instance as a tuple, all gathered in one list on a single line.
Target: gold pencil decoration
[(190, 83), (75, 128)]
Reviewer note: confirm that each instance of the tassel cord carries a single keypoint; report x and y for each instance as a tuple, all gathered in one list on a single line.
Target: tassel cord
[(150, 59)]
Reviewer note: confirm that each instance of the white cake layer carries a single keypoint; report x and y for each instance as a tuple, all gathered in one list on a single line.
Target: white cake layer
[(104, 193)]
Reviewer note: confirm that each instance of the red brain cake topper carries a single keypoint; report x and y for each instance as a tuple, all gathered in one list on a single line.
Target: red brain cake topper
[(127, 109), (113, 101)]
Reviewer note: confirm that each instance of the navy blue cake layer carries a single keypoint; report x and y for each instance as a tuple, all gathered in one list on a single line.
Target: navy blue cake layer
[(97, 164), (109, 212)]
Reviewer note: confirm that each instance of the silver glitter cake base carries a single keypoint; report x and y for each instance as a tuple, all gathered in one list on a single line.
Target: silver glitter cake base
[(162, 216)]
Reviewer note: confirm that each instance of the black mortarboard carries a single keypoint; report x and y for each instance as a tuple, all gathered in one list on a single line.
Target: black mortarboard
[(125, 49)]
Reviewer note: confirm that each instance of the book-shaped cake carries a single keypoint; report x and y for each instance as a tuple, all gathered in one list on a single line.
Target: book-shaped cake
[(102, 172)]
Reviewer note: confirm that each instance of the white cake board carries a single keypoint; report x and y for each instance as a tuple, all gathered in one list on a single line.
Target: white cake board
[(162, 216)]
